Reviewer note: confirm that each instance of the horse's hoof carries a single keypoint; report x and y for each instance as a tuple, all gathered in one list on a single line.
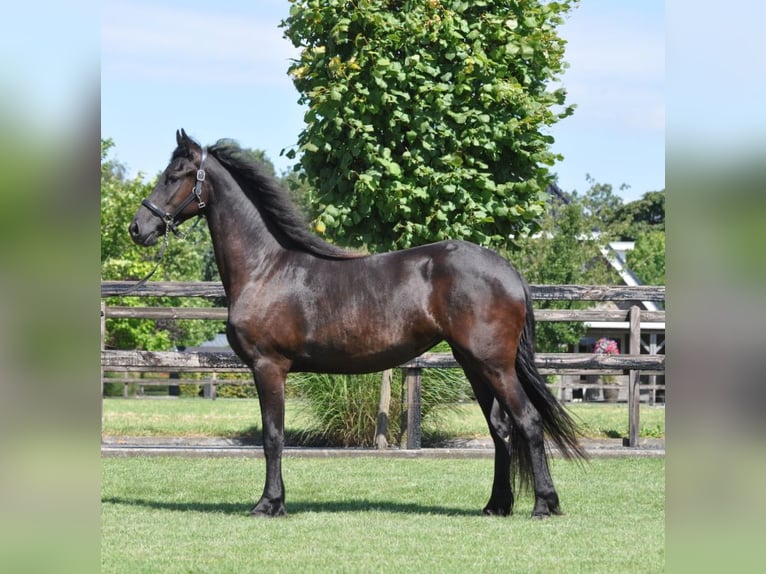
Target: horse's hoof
[(543, 514), (268, 510), (546, 506), (494, 511)]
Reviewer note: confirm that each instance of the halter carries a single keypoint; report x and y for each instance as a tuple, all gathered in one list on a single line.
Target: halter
[(170, 219), (171, 224)]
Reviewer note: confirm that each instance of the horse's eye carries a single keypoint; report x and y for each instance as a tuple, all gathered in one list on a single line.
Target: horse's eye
[(173, 178)]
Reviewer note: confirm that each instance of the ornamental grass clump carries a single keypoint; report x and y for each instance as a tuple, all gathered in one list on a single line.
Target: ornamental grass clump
[(345, 407)]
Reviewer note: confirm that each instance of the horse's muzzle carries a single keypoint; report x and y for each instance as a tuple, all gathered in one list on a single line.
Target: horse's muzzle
[(142, 238)]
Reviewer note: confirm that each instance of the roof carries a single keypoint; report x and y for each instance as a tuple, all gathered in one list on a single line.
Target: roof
[(616, 253)]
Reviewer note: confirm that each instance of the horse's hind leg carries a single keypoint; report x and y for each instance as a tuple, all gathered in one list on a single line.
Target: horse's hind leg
[(526, 437), (501, 500)]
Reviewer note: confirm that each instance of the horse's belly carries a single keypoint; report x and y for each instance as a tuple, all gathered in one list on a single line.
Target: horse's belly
[(357, 358), (347, 341), (350, 365)]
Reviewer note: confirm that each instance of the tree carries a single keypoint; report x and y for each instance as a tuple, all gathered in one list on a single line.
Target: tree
[(642, 216), (601, 204), (567, 251), (121, 259), (647, 259), (426, 119), (643, 221)]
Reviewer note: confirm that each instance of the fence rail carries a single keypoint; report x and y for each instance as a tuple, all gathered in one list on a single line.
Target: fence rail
[(214, 289), (208, 362), (632, 363), (220, 314)]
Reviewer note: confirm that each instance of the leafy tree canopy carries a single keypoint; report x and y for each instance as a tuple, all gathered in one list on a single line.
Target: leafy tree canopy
[(643, 221), (427, 120), (647, 259), (641, 216), (600, 204)]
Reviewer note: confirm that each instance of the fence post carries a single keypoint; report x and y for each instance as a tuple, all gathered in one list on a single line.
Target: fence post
[(412, 380), (634, 397), (208, 389), (101, 376), (381, 428)]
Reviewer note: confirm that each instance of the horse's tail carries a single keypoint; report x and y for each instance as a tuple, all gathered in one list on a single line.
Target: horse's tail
[(558, 425)]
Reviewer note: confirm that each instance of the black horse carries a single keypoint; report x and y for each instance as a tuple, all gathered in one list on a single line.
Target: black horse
[(298, 303)]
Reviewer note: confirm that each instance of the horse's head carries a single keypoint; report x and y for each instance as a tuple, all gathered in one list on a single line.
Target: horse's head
[(181, 192)]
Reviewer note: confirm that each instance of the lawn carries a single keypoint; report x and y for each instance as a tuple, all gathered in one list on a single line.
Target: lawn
[(374, 514), (241, 418)]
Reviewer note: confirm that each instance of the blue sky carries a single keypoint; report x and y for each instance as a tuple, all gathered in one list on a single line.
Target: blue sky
[(219, 70)]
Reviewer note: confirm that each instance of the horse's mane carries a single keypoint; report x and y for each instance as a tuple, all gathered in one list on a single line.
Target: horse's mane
[(281, 215)]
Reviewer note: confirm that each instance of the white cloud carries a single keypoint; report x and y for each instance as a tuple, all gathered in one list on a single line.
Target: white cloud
[(142, 41)]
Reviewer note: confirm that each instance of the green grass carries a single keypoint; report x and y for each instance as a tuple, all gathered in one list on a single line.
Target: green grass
[(376, 515), (241, 418)]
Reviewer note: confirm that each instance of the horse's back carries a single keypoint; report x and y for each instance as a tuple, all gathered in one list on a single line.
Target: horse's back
[(471, 268), (451, 273)]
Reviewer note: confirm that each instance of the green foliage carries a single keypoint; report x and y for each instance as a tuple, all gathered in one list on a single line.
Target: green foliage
[(567, 251), (121, 259), (189, 391), (246, 391), (223, 391), (643, 221), (346, 406), (228, 385), (601, 204), (118, 389), (427, 120), (642, 216), (300, 191), (647, 259)]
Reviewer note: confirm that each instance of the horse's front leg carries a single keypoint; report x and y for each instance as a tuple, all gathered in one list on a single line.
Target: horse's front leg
[(270, 383)]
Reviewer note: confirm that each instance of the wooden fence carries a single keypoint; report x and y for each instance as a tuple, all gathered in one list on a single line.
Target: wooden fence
[(632, 363)]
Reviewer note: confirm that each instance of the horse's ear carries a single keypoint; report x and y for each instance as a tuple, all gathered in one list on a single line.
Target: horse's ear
[(182, 139), (186, 143)]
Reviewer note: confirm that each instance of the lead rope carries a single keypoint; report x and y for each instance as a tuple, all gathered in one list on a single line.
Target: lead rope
[(160, 257), (161, 254)]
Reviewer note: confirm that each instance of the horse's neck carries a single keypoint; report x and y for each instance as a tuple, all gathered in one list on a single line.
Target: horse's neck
[(243, 245)]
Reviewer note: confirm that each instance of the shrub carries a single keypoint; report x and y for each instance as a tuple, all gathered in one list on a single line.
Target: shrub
[(346, 406), (113, 389), (189, 390), (246, 391)]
